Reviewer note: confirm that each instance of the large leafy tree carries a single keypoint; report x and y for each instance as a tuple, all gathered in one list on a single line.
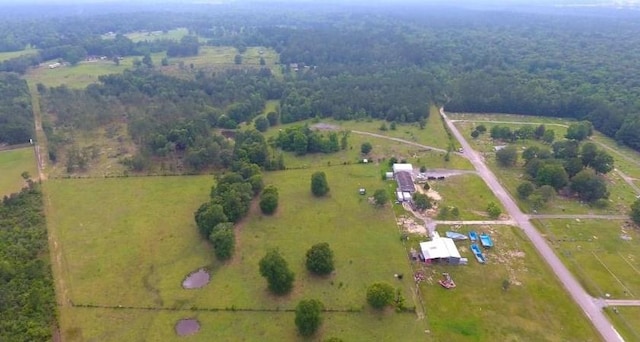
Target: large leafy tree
[(381, 197), (320, 259), (319, 185), (379, 295), (308, 316), (223, 240), (208, 216), (275, 269), (507, 156), (269, 200), (552, 174), (589, 186), (635, 212)]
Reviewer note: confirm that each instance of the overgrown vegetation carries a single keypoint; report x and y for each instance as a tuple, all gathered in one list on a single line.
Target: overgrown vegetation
[(27, 305), (16, 117)]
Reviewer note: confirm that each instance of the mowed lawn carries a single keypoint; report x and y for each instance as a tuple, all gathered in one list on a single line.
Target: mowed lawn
[(131, 241), (12, 164), (534, 307), (602, 254), (467, 192)]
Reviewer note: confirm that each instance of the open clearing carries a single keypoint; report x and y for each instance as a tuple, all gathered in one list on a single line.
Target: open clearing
[(471, 199), (175, 34), (143, 242), (602, 254), (534, 307), (13, 54), (12, 164)]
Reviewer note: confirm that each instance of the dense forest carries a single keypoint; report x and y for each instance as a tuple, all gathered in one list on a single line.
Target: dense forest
[(383, 62), (27, 299), (16, 117)]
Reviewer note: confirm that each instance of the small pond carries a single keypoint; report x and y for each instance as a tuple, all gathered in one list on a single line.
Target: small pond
[(196, 279), (187, 326)]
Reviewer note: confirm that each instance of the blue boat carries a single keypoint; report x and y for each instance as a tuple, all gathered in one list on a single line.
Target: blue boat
[(473, 236), (477, 253), (456, 236), (485, 240)]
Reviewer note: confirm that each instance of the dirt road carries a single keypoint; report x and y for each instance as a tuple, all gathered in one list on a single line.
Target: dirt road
[(400, 141), (579, 295)]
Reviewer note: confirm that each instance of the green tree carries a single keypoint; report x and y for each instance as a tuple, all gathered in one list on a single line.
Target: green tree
[(208, 216), (634, 214), (381, 197), (493, 210), (380, 295), (588, 153), (223, 240), (320, 259), (542, 195), (552, 174), (572, 166), (422, 201), (261, 123), (146, 60), (603, 162), (262, 61), (269, 200), (481, 128), (164, 61), (475, 134), (366, 147), (507, 156), (549, 136), (579, 131), (308, 316), (273, 118), (525, 189), (589, 186), (540, 131), (237, 59), (275, 269), (319, 185)]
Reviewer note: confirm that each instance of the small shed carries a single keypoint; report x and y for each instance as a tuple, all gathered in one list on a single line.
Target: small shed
[(389, 175), (362, 191), (440, 249), (365, 161)]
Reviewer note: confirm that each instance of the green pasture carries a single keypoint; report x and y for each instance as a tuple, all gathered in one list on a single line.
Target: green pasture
[(13, 54), (383, 150), (550, 122), (77, 76), (223, 57), (12, 164), (468, 192), (143, 242), (534, 307), (143, 325), (626, 319), (621, 195), (602, 254)]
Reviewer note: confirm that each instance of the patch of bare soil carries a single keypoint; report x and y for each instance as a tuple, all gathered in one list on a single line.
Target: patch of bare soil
[(410, 225), (325, 127)]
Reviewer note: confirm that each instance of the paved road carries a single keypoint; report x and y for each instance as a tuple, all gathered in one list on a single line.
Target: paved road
[(408, 142), (579, 295), (621, 302)]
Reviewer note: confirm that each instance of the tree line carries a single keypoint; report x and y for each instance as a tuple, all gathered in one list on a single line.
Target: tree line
[(16, 117), (27, 298)]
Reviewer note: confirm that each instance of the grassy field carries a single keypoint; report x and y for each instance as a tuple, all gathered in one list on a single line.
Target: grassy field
[(12, 164), (87, 72), (627, 321), (621, 195), (533, 308), (13, 54), (144, 242), (595, 251), (471, 199), (549, 121), (175, 34)]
